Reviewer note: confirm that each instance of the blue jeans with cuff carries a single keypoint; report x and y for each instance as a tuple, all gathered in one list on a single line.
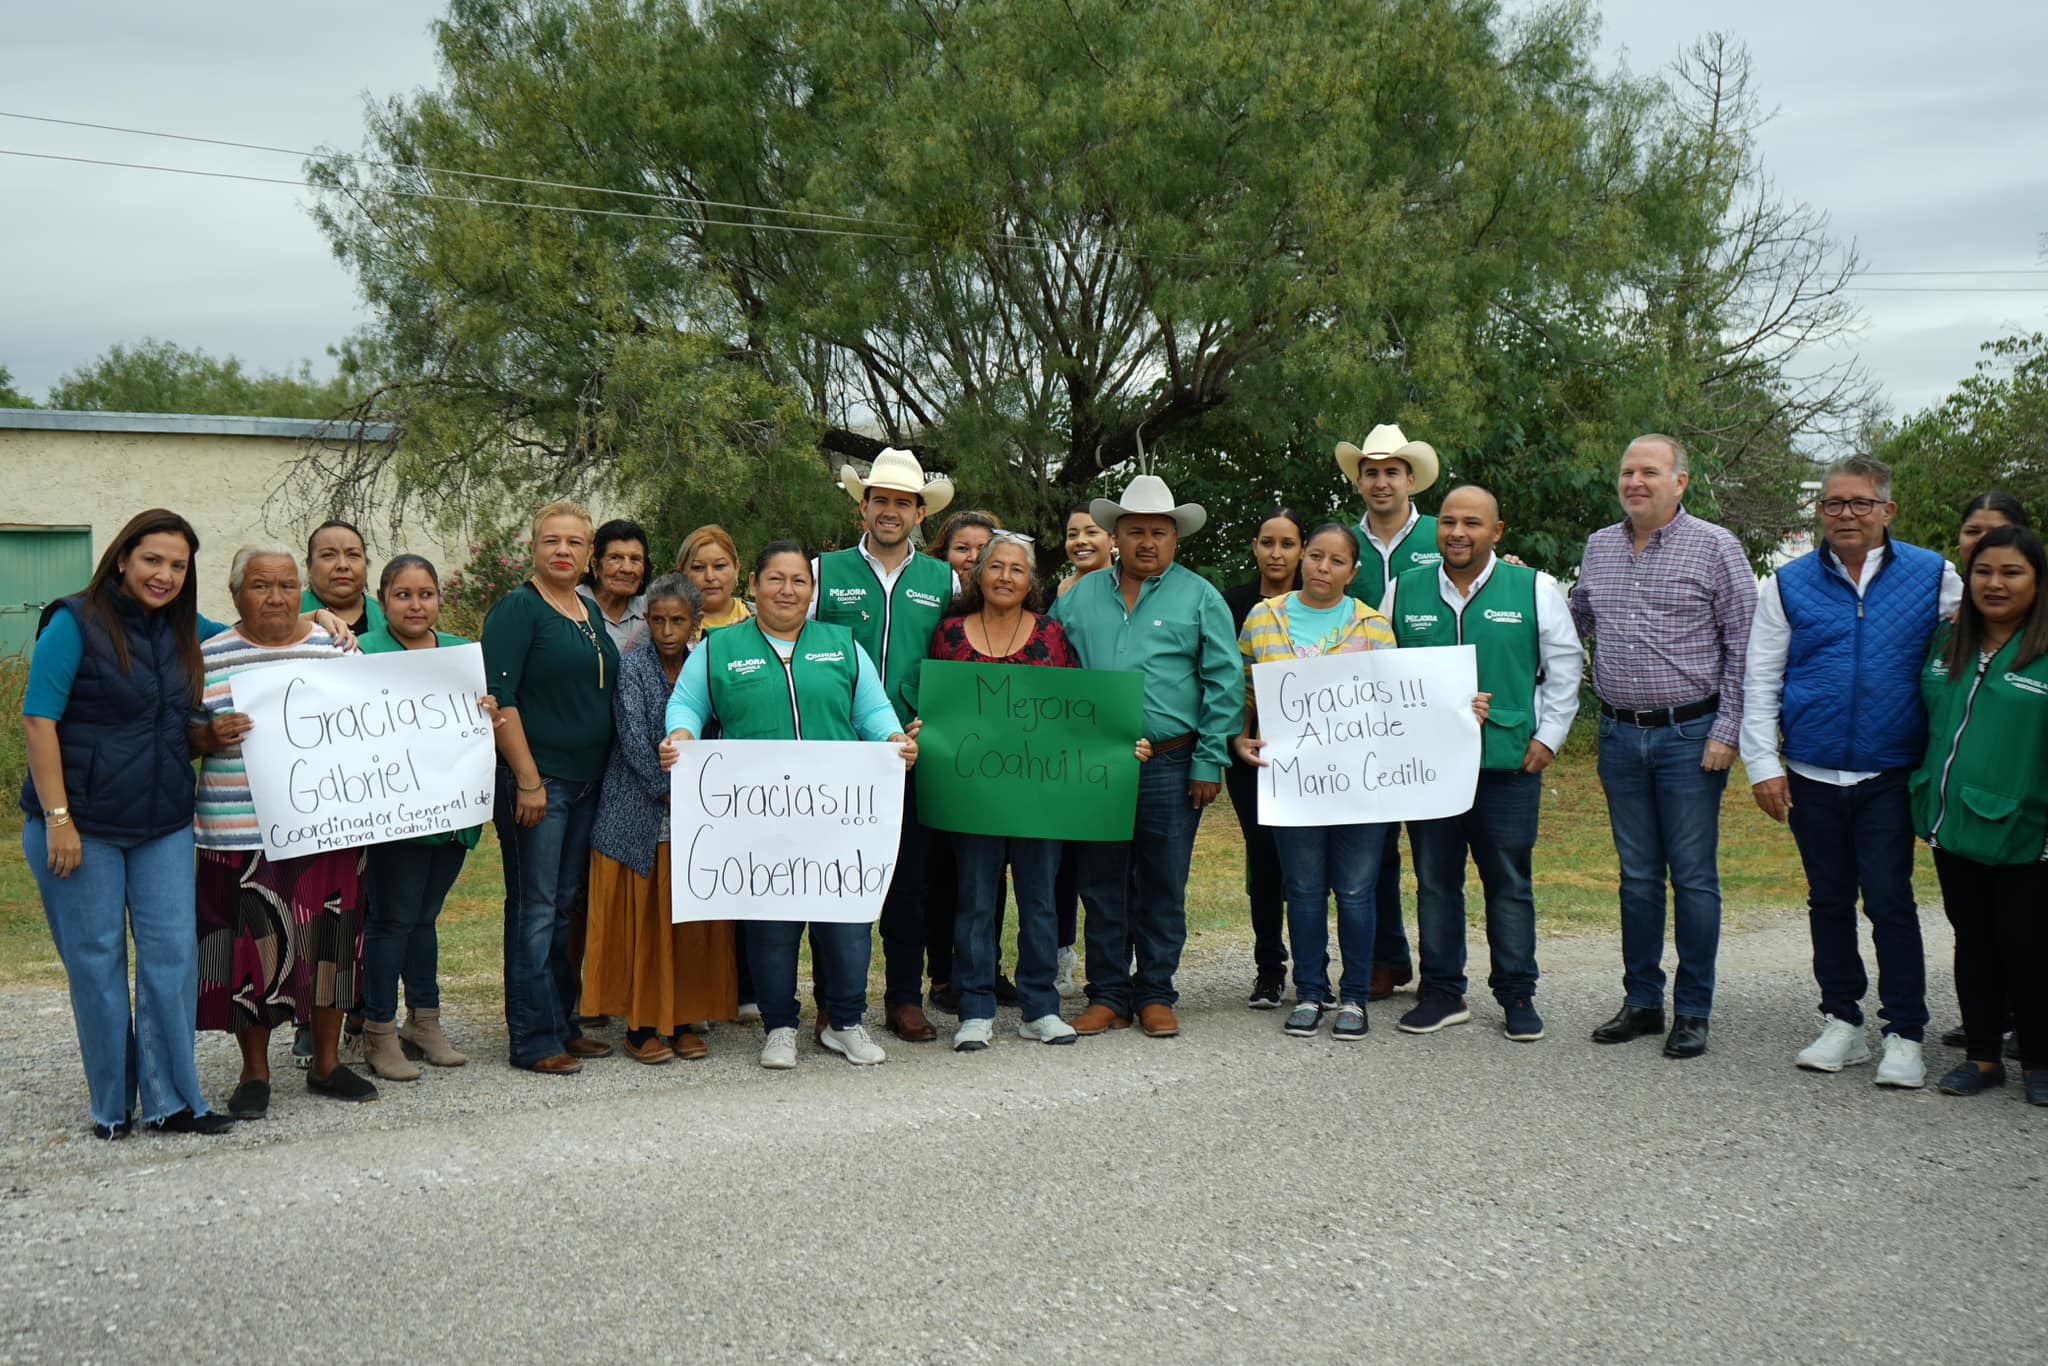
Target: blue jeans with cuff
[(1318, 862), (545, 869), (1150, 916), (839, 969), (1034, 864)]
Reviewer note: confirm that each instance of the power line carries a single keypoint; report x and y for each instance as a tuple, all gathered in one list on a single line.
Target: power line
[(2024, 270), (1949, 289)]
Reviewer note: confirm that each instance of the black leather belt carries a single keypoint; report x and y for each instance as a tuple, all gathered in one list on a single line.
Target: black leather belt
[(1664, 716)]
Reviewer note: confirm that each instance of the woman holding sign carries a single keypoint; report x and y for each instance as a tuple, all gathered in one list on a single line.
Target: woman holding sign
[(274, 934), (998, 624), (659, 975), (408, 881), (758, 685)]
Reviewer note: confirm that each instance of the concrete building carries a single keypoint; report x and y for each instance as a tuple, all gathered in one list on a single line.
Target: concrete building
[(69, 481)]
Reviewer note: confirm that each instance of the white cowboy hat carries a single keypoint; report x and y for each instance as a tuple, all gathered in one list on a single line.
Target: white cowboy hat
[(1386, 439), (1147, 494), (899, 470)]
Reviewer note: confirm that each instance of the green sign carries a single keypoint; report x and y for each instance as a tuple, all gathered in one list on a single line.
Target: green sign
[(1032, 752)]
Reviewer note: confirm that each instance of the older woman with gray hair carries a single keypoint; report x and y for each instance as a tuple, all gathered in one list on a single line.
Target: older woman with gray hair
[(275, 935), (658, 975)]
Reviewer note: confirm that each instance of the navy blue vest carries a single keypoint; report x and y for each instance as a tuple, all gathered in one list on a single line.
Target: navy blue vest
[(127, 765), (1852, 673)]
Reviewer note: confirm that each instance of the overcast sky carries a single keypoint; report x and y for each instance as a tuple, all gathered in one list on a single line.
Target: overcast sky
[(1919, 128)]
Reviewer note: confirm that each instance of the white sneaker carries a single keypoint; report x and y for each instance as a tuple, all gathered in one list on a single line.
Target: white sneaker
[(973, 1035), (1047, 1029), (1902, 1065), (854, 1045), (1840, 1045), (747, 1013), (779, 1049), (1063, 980)]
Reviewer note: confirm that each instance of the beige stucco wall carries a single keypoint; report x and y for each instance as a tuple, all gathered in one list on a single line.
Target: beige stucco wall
[(219, 483)]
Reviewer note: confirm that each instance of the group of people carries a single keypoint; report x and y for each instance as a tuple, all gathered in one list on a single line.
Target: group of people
[(1873, 692)]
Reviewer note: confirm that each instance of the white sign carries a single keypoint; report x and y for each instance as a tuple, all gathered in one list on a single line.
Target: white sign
[(362, 749), (1381, 735), (783, 829)]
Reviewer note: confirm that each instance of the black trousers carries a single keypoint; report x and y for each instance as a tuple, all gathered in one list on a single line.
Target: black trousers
[(1261, 869), (2000, 916)]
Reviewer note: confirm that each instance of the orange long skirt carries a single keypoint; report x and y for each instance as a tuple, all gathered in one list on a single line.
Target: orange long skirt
[(638, 965)]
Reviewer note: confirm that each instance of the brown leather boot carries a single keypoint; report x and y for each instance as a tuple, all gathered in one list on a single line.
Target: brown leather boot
[(1098, 1018), (1158, 1021), (909, 1024)]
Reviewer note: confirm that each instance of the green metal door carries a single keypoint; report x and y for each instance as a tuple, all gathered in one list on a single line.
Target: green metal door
[(38, 565)]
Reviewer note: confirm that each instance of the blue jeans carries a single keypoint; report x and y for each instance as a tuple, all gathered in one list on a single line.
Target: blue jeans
[(1855, 839), (405, 885), (545, 868), (1152, 916), (1666, 814), (1500, 832), (979, 861), (1316, 863), (1389, 942), (117, 889), (839, 969)]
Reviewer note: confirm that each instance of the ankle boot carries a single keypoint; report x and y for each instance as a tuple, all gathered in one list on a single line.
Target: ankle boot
[(423, 1032), (381, 1051)]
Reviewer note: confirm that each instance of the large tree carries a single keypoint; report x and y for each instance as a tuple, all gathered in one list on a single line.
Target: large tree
[(10, 397), (720, 247), (1991, 433), (153, 376)]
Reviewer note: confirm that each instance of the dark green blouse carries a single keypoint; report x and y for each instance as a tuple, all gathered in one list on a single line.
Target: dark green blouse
[(559, 678)]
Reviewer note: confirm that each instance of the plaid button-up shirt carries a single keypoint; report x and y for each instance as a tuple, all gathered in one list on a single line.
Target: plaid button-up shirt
[(1669, 626)]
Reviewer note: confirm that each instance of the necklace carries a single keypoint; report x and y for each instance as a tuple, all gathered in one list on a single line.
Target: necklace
[(581, 621), (1015, 631)]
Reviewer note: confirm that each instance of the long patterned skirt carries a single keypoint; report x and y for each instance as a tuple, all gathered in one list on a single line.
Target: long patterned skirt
[(277, 939)]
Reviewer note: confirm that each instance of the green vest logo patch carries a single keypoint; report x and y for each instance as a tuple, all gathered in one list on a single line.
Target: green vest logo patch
[(1505, 615), (825, 656), (743, 667), (2025, 684), (921, 598)]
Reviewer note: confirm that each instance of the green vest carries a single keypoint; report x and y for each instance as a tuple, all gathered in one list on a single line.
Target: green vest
[(1416, 550), (895, 628), (756, 696), (1982, 793), (1500, 619)]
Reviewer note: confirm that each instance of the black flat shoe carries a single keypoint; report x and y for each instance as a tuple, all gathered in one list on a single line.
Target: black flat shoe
[(340, 1084), (1969, 1080), (2035, 1086), (943, 997), (185, 1122), (113, 1133), (1955, 1038), (1631, 1022), (1006, 991), (1688, 1037), (250, 1100)]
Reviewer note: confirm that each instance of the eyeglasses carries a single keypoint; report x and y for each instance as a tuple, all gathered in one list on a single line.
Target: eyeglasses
[(1862, 507), (1016, 536)]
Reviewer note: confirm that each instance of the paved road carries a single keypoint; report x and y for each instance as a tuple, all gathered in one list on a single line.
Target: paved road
[(1231, 1195)]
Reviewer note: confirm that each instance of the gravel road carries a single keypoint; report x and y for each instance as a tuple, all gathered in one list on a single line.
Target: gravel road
[(1227, 1196)]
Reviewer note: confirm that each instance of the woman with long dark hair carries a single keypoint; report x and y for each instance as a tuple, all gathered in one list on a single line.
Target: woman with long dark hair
[(108, 802)]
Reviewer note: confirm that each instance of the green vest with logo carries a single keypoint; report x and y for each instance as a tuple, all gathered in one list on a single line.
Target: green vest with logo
[(1500, 620), (1982, 792), (896, 627), (1416, 550), (756, 696)]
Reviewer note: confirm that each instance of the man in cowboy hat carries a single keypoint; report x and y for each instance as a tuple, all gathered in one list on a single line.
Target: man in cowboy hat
[(1166, 622), (1393, 538), (892, 599)]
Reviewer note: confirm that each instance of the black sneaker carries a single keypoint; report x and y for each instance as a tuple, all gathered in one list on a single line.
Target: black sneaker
[(1434, 1011), (1006, 991), (340, 1084), (302, 1047), (185, 1122), (1267, 990), (1522, 1023), (1305, 1019), (1351, 1022), (112, 1133)]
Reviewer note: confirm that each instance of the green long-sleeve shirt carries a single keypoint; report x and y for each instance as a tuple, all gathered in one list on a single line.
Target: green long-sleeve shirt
[(1179, 637)]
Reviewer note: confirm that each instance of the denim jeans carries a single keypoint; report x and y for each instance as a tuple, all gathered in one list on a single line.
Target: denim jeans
[(1318, 862), (118, 889), (839, 969), (1263, 881), (545, 869), (1855, 839), (1389, 942), (1500, 832), (1666, 814), (979, 861), (405, 884), (1152, 914)]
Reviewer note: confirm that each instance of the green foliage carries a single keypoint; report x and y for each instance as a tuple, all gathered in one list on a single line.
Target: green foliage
[(13, 744), (498, 563), (1991, 433), (155, 376), (10, 397)]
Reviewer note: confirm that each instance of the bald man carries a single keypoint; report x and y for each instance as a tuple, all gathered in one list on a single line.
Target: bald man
[(1520, 625)]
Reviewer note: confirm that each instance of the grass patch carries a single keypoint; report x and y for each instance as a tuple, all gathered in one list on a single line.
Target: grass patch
[(1576, 877)]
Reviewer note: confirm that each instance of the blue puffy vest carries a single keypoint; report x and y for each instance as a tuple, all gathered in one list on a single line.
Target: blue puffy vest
[(1852, 673), (127, 764)]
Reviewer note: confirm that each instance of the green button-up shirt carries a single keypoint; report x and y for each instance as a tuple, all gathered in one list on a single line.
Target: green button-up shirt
[(1179, 637)]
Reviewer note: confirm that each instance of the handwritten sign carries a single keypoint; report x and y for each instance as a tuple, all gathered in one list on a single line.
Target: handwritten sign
[(367, 748), (1035, 753), (783, 829), (1382, 735)]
